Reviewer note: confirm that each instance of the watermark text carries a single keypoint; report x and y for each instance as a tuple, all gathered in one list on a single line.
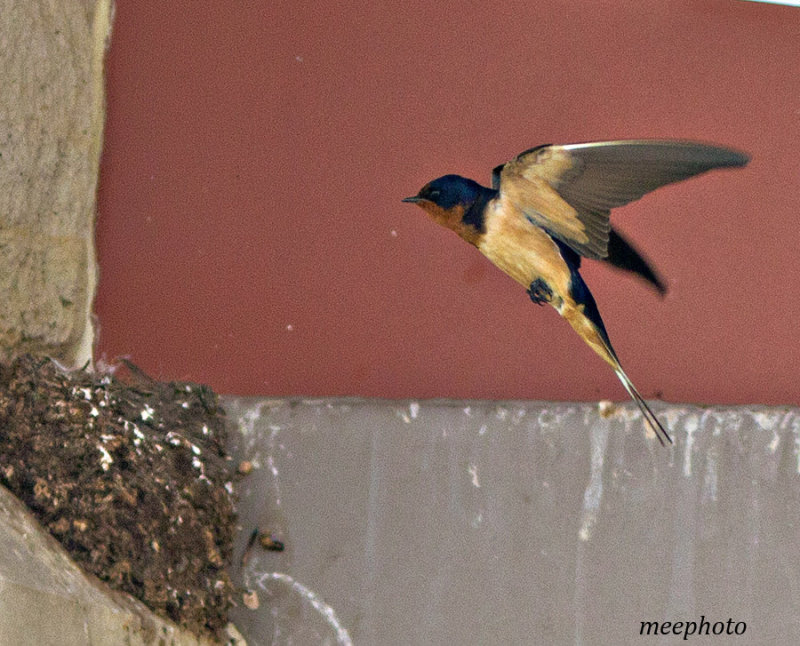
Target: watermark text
[(693, 628)]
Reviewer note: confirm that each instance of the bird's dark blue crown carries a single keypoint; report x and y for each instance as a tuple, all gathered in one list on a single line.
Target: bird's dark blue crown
[(452, 190)]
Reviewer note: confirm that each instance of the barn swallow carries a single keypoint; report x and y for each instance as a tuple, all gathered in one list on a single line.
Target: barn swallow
[(549, 207)]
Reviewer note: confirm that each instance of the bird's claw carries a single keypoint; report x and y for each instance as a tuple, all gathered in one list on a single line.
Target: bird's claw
[(540, 292)]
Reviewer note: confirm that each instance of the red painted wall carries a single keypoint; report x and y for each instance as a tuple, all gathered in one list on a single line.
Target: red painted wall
[(251, 233)]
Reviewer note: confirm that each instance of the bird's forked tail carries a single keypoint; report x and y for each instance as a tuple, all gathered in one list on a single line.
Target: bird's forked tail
[(652, 420)]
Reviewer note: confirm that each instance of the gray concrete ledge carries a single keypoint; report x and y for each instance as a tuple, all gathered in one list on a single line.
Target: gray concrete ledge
[(516, 523)]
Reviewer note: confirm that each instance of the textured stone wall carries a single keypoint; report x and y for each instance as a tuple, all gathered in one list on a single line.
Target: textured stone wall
[(51, 126)]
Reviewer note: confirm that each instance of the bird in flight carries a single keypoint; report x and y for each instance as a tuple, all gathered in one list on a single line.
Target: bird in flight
[(549, 207)]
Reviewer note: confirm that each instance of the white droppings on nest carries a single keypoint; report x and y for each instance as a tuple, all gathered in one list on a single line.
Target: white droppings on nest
[(197, 463), (147, 413), (105, 460)]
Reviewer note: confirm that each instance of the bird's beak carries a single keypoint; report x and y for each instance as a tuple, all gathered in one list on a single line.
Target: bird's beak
[(414, 199)]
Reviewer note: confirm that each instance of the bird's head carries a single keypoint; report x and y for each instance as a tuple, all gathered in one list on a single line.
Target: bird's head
[(447, 192), (453, 201)]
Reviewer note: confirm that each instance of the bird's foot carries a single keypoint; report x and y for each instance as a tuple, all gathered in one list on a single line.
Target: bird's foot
[(540, 292)]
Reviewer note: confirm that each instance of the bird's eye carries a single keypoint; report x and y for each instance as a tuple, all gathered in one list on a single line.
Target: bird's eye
[(434, 193)]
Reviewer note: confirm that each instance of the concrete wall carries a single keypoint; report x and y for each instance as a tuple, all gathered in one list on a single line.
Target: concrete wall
[(517, 523)]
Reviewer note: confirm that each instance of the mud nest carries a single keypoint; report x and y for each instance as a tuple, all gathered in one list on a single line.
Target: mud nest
[(131, 476)]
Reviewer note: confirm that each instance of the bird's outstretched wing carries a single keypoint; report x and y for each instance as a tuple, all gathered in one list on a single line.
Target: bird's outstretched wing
[(569, 190)]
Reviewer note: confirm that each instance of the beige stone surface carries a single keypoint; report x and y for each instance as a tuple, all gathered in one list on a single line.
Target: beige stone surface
[(51, 126)]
